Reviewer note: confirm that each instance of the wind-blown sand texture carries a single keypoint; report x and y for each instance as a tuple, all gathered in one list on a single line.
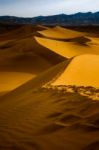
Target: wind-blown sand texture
[(42, 109)]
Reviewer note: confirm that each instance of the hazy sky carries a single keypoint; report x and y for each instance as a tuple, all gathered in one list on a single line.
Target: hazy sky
[(31, 8)]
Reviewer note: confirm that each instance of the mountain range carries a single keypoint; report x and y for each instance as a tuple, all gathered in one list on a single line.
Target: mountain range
[(78, 19)]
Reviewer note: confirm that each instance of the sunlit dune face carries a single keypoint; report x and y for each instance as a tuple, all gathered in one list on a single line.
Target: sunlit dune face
[(82, 71), (94, 40), (68, 49), (11, 80), (60, 33)]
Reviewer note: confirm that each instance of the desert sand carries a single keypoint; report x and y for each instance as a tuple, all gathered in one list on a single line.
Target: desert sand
[(22, 58), (60, 33), (11, 80), (38, 112), (86, 72), (71, 49)]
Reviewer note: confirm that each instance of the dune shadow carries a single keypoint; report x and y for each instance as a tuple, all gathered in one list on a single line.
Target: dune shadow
[(92, 146), (77, 40), (70, 118), (21, 146), (54, 115), (51, 128), (87, 127)]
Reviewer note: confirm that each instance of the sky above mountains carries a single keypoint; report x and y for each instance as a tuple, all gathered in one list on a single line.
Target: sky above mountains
[(31, 8)]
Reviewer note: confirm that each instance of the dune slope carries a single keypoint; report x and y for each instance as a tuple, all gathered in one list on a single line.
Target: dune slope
[(69, 49), (41, 114), (12, 80), (32, 117), (60, 33), (21, 55), (82, 71), (40, 80), (19, 31)]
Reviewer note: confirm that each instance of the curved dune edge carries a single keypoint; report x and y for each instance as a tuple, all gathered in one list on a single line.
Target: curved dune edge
[(11, 80), (60, 33), (68, 49), (94, 40), (38, 81), (78, 71), (3, 93), (82, 71)]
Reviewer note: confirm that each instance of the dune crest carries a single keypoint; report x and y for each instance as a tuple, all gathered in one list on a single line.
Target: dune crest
[(60, 33), (67, 49), (11, 80), (82, 71)]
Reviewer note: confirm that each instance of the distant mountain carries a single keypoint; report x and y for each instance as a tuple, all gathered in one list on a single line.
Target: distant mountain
[(78, 19)]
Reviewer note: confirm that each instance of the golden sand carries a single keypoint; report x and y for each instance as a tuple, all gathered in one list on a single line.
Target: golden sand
[(60, 33), (12, 80), (83, 70), (68, 49)]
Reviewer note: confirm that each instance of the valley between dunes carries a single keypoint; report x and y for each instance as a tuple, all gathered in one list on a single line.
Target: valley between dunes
[(49, 89)]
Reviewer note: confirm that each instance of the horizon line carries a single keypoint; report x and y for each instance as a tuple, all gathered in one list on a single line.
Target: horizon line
[(50, 15)]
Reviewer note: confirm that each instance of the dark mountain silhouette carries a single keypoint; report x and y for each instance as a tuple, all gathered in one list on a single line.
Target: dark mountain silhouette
[(78, 19)]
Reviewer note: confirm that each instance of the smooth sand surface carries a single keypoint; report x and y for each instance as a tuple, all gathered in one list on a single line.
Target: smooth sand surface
[(94, 40), (81, 71), (60, 33), (69, 49), (11, 80)]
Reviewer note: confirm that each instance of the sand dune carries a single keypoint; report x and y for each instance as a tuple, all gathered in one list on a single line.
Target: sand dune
[(68, 49), (82, 71), (11, 80), (6, 27), (28, 51), (21, 31), (60, 33), (68, 43), (32, 117), (21, 55), (37, 113), (40, 80), (93, 40)]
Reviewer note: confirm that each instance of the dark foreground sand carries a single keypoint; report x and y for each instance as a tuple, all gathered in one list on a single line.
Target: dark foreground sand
[(47, 119)]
